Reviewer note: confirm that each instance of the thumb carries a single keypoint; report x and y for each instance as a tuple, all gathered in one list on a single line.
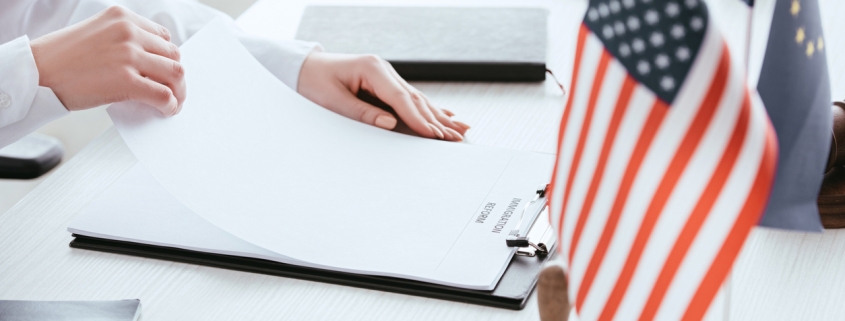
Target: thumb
[(357, 109)]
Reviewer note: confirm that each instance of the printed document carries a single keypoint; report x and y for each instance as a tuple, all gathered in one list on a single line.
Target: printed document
[(307, 186)]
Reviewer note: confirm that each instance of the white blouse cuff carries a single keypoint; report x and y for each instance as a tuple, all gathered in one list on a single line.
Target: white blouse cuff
[(18, 80)]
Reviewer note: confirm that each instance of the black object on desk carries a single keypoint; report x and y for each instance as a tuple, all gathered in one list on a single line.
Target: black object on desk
[(30, 157), (512, 291), (437, 43)]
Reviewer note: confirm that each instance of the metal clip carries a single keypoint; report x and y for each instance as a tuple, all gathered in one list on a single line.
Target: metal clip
[(539, 249)]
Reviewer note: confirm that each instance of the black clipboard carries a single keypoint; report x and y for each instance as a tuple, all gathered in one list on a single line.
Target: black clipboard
[(512, 292)]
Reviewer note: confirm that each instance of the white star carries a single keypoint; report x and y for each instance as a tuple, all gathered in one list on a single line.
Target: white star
[(633, 23), (603, 10), (682, 54), (593, 14), (667, 83), (614, 6), (628, 3), (643, 67), (672, 9), (656, 39), (662, 61), (624, 50), (696, 23), (646, 1), (677, 31), (607, 31), (619, 27), (638, 44), (691, 3), (651, 17)]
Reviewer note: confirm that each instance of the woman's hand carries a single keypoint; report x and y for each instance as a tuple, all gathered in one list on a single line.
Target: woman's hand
[(334, 80), (114, 56)]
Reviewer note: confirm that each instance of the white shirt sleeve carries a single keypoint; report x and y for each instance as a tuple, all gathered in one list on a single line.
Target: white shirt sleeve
[(24, 106), (31, 106)]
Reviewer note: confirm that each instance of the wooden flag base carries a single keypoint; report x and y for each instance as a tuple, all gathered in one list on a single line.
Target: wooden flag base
[(832, 195), (832, 199)]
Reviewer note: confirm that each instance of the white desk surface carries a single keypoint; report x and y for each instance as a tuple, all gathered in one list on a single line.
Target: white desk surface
[(780, 275)]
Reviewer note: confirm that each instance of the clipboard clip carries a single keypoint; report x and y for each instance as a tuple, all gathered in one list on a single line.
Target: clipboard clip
[(523, 241), (515, 239)]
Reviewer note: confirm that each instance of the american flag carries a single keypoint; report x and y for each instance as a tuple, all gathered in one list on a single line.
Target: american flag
[(665, 162)]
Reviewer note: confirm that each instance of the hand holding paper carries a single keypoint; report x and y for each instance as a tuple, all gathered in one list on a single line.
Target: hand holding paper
[(333, 80)]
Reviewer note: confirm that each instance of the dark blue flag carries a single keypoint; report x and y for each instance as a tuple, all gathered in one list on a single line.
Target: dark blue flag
[(750, 3), (795, 88)]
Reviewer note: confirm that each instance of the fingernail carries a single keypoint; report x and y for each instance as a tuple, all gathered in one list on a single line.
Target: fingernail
[(386, 122), (465, 126), (436, 131), (455, 134)]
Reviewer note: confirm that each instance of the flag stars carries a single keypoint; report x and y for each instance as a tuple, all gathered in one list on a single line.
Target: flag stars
[(691, 4), (795, 8), (656, 39), (624, 50), (672, 9), (607, 32), (677, 31), (633, 23), (682, 54), (643, 67), (696, 23), (667, 83), (800, 36), (628, 3), (651, 17), (619, 27), (615, 6), (638, 45), (820, 45), (604, 11), (811, 48), (593, 14), (661, 61)]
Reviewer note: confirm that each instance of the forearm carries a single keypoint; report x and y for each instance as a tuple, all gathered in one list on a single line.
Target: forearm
[(184, 18)]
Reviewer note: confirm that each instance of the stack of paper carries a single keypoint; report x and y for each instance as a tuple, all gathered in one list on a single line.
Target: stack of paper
[(251, 168)]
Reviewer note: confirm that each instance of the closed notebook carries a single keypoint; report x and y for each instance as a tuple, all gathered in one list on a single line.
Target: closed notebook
[(437, 43)]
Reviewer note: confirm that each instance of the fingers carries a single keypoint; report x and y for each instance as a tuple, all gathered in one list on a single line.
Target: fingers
[(156, 45), (148, 25), (166, 72), (361, 111), (385, 87), (454, 130), (154, 94)]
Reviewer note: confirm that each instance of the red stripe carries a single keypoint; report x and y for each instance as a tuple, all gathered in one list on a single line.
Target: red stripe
[(618, 111), (579, 51), (582, 140), (751, 212), (670, 179), (655, 118), (699, 213)]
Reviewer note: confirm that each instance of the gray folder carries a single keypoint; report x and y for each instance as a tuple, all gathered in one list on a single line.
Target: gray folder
[(437, 43)]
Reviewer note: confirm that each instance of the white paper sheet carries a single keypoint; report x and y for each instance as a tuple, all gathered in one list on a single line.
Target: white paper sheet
[(251, 156)]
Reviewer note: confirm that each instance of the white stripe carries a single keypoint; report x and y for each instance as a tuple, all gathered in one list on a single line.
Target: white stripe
[(631, 124), (606, 102), (656, 161), (620, 154), (592, 52), (687, 192), (720, 220)]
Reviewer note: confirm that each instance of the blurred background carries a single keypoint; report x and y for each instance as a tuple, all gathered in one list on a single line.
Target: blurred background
[(79, 128)]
